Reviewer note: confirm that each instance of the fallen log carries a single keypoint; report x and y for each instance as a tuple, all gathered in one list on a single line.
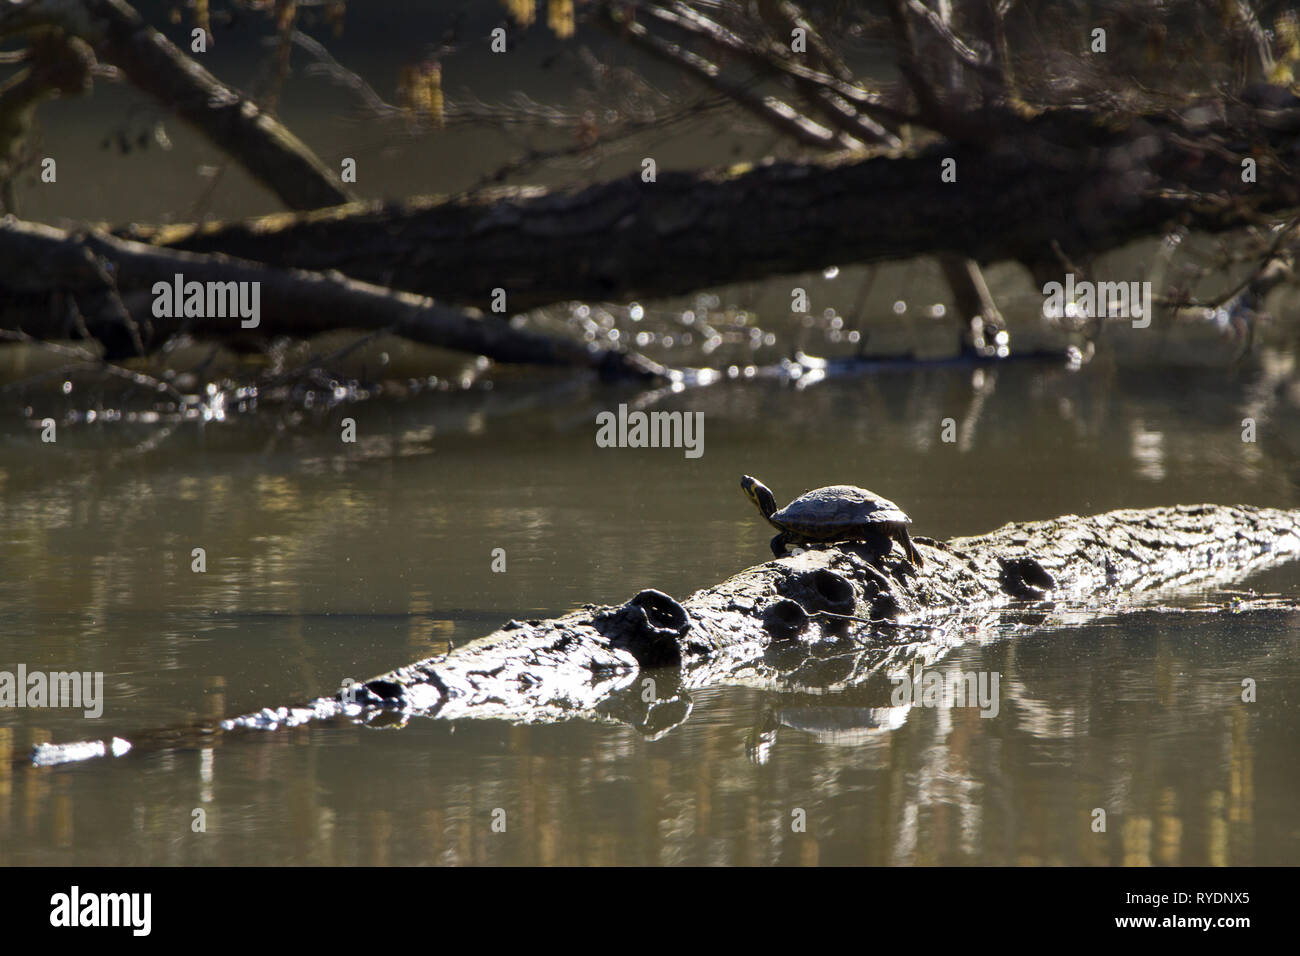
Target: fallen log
[(93, 267), (830, 617), (1074, 180)]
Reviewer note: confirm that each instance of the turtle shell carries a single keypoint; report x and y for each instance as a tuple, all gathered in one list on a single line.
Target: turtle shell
[(838, 512)]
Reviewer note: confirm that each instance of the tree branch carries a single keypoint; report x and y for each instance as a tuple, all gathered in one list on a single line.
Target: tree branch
[(261, 144), (294, 302)]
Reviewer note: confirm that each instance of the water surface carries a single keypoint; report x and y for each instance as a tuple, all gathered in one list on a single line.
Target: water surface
[(327, 561)]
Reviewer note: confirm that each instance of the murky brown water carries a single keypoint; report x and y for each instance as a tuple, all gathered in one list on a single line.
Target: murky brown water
[(328, 560), (326, 563)]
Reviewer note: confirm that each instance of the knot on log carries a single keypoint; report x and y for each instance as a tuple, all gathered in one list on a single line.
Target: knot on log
[(878, 594), (378, 693), (1024, 577), (784, 619), (883, 606), (650, 628), (811, 592), (820, 590)]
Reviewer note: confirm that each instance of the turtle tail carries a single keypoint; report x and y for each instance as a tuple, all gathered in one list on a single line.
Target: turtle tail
[(909, 549)]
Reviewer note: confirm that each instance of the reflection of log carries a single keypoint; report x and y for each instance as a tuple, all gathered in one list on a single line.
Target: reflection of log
[(267, 150), (1082, 180), (293, 302), (787, 623)]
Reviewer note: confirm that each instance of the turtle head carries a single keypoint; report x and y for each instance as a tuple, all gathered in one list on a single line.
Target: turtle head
[(759, 493)]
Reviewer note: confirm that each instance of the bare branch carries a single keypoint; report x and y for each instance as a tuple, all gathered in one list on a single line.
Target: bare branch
[(964, 52), (775, 112), (778, 60), (267, 149)]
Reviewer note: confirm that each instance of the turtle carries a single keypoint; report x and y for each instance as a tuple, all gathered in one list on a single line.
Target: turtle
[(833, 513)]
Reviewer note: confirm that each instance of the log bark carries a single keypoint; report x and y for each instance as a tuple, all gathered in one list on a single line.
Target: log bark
[(1081, 180), (294, 302), (799, 621)]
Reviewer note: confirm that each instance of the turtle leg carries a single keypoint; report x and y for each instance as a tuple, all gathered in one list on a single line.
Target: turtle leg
[(878, 545), (779, 544), (914, 556)]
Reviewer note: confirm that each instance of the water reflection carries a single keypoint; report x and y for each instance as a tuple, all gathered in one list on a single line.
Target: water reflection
[(1151, 731), (327, 561)]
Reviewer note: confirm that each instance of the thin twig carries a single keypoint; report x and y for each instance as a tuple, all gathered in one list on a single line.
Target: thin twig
[(89, 358)]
